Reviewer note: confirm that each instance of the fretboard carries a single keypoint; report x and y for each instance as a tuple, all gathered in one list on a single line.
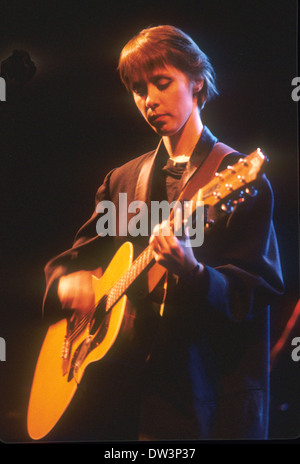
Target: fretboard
[(140, 264)]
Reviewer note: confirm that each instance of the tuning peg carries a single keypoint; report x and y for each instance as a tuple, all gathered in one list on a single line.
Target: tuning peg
[(241, 179), (231, 168), (243, 161), (251, 191), (209, 223), (239, 200), (219, 175), (229, 187), (227, 207)]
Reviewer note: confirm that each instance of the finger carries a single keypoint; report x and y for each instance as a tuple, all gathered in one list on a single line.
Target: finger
[(178, 219), (159, 258), (187, 236), (160, 234), (162, 229), (165, 244), (166, 229), (159, 243), (174, 247)]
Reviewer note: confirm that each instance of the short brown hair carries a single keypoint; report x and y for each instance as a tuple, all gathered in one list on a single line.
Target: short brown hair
[(167, 45)]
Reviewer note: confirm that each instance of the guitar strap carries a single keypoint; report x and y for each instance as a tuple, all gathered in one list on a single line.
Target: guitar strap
[(198, 179), (205, 172)]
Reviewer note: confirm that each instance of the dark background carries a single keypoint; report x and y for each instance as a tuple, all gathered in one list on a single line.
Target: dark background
[(63, 131)]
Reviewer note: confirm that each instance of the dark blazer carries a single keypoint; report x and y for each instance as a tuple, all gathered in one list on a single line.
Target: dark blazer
[(207, 376)]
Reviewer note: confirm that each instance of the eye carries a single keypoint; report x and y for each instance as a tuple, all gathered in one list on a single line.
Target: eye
[(139, 89), (163, 83)]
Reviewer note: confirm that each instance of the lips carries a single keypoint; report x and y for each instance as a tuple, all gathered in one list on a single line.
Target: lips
[(155, 117)]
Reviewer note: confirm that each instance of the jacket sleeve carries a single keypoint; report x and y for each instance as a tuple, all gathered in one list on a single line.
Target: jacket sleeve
[(241, 258), (88, 252)]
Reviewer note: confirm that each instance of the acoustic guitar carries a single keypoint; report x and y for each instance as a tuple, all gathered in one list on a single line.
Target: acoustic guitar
[(69, 347)]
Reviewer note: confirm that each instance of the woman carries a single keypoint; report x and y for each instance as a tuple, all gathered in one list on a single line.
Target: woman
[(207, 376)]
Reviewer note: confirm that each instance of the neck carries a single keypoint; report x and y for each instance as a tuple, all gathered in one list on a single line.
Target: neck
[(183, 142)]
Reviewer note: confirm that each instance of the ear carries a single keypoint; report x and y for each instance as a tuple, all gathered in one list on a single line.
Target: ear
[(197, 86)]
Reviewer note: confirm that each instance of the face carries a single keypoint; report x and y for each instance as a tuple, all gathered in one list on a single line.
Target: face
[(166, 98)]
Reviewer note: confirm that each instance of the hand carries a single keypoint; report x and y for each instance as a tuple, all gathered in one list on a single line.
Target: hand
[(75, 291), (175, 255)]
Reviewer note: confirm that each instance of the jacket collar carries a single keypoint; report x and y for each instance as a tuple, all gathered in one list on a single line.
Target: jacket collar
[(201, 151)]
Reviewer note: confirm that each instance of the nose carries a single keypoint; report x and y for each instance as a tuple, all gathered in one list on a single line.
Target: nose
[(151, 98)]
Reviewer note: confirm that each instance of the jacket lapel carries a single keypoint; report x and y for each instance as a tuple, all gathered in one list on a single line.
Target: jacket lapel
[(143, 185), (199, 155)]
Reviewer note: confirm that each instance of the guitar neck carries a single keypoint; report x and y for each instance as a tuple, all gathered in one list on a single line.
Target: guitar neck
[(139, 265)]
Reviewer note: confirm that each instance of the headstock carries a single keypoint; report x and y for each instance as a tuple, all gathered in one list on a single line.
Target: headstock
[(234, 179)]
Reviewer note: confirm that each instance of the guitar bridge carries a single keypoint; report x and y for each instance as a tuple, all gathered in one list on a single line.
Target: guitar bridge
[(65, 355), (65, 348), (80, 355)]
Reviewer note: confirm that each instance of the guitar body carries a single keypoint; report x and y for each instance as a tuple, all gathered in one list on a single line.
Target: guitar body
[(56, 378)]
